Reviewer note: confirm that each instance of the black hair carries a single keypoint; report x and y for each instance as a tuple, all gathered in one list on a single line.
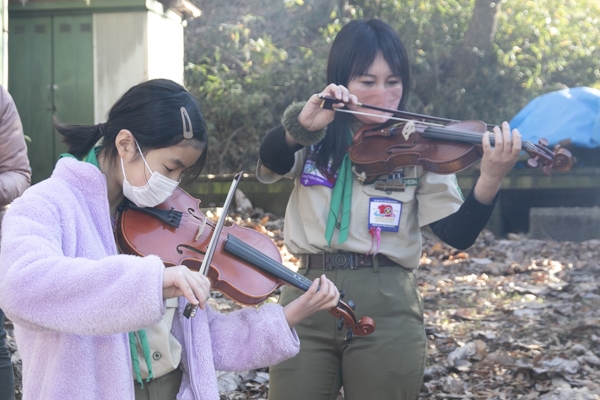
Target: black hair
[(353, 51), (151, 111)]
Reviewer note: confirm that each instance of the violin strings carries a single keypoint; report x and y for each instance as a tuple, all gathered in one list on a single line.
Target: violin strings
[(475, 138), (467, 136), (194, 221), (446, 133), (249, 251), (191, 225)]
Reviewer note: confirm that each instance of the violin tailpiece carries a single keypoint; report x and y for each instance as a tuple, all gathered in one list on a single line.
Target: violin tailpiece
[(170, 217)]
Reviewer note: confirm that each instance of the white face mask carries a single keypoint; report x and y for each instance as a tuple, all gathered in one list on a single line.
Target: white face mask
[(158, 188)]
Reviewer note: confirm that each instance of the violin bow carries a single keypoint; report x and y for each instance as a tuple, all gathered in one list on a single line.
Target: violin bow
[(328, 103), (190, 309)]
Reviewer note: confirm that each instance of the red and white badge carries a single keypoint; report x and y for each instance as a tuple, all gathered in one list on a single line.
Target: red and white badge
[(384, 213)]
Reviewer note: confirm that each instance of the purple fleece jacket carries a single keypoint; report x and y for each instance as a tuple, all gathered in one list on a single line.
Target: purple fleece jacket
[(73, 299)]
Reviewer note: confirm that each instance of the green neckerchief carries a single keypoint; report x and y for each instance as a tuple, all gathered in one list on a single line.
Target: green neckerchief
[(92, 158), (141, 334), (341, 196)]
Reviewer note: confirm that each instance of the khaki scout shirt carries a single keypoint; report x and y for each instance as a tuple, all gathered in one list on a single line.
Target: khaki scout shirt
[(432, 197), (165, 350)]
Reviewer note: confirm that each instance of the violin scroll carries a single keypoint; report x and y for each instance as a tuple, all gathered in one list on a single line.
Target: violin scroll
[(563, 160), (363, 327), (559, 159)]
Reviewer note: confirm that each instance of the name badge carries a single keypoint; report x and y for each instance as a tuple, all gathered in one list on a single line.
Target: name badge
[(384, 213)]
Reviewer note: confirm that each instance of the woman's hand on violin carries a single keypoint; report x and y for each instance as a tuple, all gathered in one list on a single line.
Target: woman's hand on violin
[(181, 281), (497, 161), (322, 295)]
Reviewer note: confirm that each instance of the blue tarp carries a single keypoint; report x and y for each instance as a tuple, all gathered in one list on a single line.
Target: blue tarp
[(570, 114)]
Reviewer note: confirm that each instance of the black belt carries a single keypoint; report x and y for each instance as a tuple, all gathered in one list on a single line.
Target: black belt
[(342, 260)]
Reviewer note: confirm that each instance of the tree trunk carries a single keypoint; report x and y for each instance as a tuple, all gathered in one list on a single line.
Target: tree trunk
[(478, 38)]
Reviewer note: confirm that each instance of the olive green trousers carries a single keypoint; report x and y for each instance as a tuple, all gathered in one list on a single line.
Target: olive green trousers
[(386, 365)]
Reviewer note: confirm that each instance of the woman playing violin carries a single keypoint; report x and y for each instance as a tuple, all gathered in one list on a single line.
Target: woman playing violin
[(367, 238), (94, 324)]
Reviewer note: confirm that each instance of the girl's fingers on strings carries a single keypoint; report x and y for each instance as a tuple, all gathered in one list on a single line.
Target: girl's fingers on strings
[(516, 137), (330, 292), (506, 135), (314, 287), (485, 143), (498, 138)]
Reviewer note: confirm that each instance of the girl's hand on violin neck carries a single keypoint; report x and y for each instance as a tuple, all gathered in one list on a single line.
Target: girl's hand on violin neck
[(181, 281), (497, 161), (322, 295), (313, 117)]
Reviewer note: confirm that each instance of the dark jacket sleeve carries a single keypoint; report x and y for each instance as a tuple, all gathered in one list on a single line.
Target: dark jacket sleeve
[(274, 152), (460, 230)]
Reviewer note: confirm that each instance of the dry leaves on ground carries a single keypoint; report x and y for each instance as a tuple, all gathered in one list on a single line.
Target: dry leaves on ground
[(510, 318)]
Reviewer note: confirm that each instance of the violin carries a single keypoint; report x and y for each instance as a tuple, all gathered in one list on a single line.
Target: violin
[(444, 146), (245, 266)]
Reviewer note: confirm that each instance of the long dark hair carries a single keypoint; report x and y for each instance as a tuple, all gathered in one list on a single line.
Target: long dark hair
[(151, 111), (352, 53)]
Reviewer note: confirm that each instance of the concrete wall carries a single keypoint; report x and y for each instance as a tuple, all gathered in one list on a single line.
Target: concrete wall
[(522, 192), (130, 48), (165, 48), (574, 224), (120, 57)]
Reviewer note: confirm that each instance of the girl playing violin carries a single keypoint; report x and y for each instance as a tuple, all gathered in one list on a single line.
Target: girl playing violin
[(94, 324), (365, 238)]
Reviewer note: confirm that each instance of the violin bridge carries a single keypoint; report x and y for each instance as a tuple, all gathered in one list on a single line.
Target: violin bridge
[(361, 176), (409, 129), (201, 229)]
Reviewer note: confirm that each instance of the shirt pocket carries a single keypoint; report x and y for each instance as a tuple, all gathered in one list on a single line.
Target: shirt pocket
[(313, 202)]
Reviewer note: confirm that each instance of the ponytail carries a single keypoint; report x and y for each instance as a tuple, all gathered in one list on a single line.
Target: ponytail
[(80, 138)]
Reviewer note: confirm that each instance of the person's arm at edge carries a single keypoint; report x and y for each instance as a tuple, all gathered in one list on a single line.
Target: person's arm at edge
[(15, 174)]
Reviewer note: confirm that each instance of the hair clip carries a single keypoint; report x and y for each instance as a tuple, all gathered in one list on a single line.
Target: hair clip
[(187, 133)]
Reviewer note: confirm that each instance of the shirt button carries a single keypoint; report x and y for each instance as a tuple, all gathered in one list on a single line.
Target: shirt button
[(156, 356)]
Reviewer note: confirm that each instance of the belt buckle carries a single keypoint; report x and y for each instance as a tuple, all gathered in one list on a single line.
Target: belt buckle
[(340, 260)]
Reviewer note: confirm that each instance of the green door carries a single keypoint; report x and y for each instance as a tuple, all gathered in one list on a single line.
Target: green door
[(30, 84), (50, 75), (73, 69)]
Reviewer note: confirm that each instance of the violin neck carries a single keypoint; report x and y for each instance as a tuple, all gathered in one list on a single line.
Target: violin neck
[(461, 136), (251, 255)]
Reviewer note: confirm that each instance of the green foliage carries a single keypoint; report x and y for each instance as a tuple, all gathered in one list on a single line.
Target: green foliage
[(246, 61)]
